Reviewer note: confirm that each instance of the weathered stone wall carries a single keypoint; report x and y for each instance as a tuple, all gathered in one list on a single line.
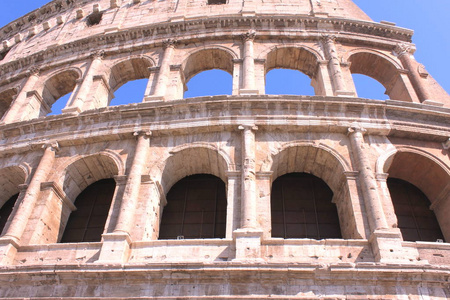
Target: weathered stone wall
[(247, 139)]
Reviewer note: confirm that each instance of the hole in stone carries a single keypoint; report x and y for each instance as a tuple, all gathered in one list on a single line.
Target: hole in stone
[(216, 2), (3, 53), (94, 19)]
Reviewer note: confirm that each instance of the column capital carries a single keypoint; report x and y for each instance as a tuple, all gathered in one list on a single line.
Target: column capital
[(249, 35), (100, 54), (328, 38), (145, 133), (34, 71), (402, 49), (251, 127), (52, 145), (356, 128), (446, 144), (169, 43)]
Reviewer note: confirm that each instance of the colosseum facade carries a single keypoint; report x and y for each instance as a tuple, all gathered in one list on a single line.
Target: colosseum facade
[(240, 196)]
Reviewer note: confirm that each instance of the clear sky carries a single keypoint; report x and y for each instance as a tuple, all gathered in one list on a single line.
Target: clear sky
[(428, 18)]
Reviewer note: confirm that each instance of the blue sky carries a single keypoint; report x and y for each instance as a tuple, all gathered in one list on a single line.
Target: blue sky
[(428, 18)]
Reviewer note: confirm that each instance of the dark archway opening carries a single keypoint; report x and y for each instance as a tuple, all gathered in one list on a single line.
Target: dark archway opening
[(87, 223), (301, 207), (415, 219), (196, 209), (6, 211)]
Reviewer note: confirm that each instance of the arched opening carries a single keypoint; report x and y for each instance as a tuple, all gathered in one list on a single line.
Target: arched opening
[(328, 167), (209, 83), (298, 59), (130, 92), (59, 105), (6, 99), (209, 59), (55, 88), (383, 71), (367, 87), (6, 210), (415, 219), (196, 209), (10, 180), (129, 71), (301, 207), (429, 176), (87, 223), (288, 82)]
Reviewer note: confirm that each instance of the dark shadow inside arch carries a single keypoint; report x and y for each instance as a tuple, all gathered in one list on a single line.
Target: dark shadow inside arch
[(415, 219), (87, 223), (301, 207), (288, 82), (367, 87), (196, 209), (209, 83), (131, 92), (6, 210)]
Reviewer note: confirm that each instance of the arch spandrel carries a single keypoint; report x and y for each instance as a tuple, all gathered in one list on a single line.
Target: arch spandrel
[(197, 158), (80, 171), (208, 58), (127, 69), (303, 58), (10, 179), (419, 167)]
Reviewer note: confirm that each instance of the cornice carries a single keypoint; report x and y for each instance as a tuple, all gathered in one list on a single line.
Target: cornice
[(227, 27), (224, 113)]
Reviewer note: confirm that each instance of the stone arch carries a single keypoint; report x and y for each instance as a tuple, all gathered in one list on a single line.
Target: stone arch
[(383, 69), (6, 98), (425, 171), (193, 159), (56, 85), (82, 171), (274, 162), (10, 179), (325, 163), (216, 57), (303, 59), (131, 68)]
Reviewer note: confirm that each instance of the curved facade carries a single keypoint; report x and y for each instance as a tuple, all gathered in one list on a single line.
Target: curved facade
[(335, 151)]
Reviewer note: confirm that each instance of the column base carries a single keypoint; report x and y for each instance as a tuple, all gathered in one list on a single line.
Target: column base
[(344, 94), (433, 103), (248, 245), (153, 98), (244, 92), (71, 110), (115, 248), (8, 251), (387, 248)]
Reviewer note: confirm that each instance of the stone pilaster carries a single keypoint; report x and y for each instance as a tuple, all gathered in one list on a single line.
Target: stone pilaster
[(19, 103), (386, 242), (131, 194), (248, 237), (84, 90), (334, 66), (26, 206), (164, 72), (367, 180), (248, 65), (404, 54), (116, 245)]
